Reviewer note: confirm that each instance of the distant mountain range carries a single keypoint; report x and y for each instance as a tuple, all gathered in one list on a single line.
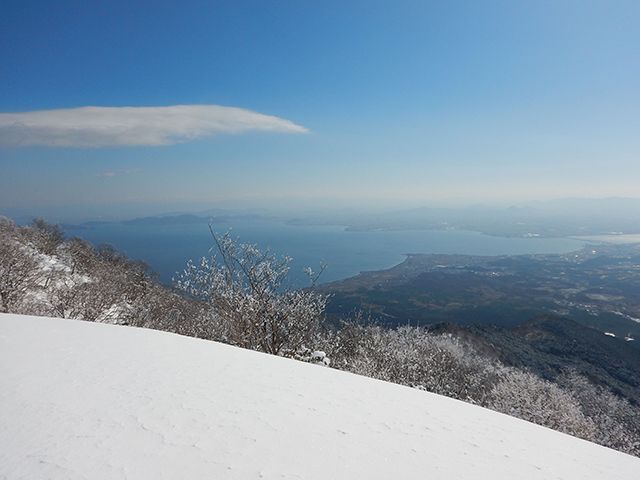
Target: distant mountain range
[(554, 218), (558, 218), (171, 219)]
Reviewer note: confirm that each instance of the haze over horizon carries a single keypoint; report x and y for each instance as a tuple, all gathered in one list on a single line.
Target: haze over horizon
[(107, 108)]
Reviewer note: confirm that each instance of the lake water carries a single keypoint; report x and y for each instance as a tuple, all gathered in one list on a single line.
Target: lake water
[(167, 248)]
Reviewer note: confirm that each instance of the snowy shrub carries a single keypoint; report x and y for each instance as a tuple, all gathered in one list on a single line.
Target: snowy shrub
[(412, 356), (169, 311), (616, 421), (529, 397), (312, 356)]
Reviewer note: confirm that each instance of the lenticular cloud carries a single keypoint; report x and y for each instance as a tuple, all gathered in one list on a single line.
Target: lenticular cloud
[(133, 126)]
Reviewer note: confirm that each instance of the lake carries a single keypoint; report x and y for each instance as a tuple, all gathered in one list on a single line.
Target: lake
[(166, 248)]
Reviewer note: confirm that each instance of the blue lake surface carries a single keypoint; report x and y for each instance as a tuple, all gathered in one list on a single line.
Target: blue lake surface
[(167, 248)]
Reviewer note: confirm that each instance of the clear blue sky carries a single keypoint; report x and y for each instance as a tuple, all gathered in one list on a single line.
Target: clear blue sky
[(404, 102)]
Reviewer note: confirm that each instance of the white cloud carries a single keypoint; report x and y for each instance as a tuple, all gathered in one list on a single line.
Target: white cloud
[(133, 126), (107, 174), (118, 173)]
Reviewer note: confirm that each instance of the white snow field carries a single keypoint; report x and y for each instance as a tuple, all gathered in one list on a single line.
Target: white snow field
[(82, 400)]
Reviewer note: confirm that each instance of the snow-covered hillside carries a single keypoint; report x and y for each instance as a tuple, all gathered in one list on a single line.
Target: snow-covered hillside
[(87, 400)]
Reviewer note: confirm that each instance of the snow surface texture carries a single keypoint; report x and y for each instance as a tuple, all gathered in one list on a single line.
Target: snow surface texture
[(87, 400)]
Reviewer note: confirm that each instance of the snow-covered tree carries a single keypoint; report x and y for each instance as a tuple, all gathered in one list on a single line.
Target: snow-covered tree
[(250, 303)]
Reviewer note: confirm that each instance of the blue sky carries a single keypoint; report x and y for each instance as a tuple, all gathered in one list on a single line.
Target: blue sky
[(404, 103)]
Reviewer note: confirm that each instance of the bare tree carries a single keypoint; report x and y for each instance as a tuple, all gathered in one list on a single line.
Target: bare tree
[(64, 295), (80, 256), (18, 272), (44, 236)]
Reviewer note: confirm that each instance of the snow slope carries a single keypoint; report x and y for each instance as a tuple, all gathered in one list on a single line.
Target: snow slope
[(87, 400)]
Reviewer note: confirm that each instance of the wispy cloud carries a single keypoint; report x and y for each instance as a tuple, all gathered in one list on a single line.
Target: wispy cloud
[(133, 126), (107, 174), (118, 173)]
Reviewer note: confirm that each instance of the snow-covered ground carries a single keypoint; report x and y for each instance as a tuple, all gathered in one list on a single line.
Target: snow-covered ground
[(87, 400)]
